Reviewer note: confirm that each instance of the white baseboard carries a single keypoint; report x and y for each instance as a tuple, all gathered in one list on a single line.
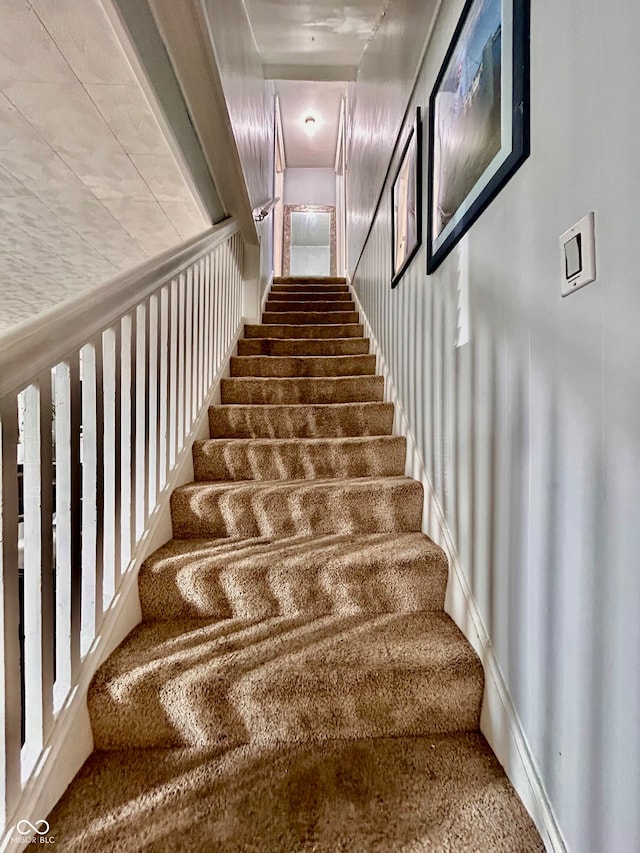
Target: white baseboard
[(499, 721), (71, 740)]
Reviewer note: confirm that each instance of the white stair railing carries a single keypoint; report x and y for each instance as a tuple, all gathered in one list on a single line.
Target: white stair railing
[(97, 398)]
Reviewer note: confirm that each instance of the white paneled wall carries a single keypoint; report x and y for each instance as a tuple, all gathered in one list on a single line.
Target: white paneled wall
[(529, 433)]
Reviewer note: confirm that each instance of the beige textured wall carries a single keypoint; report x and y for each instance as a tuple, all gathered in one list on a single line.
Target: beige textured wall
[(88, 184)]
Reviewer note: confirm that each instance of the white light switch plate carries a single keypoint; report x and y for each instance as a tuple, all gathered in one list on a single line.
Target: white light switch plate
[(578, 255)]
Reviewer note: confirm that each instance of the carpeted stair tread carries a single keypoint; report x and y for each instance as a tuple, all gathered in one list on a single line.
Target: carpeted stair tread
[(209, 684), (297, 507), (303, 346), (292, 366), (312, 318), (301, 421), (300, 576), (308, 306), (298, 459), (257, 390), (293, 330), (342, 796)]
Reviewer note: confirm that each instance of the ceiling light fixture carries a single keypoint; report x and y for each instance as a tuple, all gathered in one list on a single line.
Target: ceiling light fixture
[(312, 121)]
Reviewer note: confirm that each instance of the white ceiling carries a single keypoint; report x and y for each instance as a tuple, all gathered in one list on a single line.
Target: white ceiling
[(88, 184), (322, 33), (297, 98)]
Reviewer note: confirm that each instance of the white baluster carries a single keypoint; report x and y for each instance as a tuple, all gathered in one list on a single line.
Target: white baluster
[(172, 391), (142, 420), (153, 348), (11, 707), (92, 490), (164, 304), (208, 355), (112, 456), (188, 361), (128, 435)]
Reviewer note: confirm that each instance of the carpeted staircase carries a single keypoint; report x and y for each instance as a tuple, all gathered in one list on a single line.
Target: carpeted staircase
[(295, 684)]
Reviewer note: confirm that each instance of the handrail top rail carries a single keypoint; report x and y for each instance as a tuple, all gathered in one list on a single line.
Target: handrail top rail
[(42, 341)]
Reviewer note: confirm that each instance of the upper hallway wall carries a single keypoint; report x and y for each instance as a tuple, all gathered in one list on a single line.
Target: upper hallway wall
[(530, 431), (309, 186), (377, 103), (250, 99)]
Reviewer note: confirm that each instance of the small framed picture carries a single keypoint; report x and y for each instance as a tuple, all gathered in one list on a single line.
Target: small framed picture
[(478, 119), (406, 204)]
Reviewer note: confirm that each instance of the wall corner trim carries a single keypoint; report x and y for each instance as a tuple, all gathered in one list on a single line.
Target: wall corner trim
[(499, 721)]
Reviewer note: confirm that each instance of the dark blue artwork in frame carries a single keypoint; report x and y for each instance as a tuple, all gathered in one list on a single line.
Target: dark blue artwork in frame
[(478, 119)]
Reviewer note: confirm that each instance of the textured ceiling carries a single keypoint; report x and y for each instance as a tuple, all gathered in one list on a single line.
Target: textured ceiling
[(88, 184), (296, 99)]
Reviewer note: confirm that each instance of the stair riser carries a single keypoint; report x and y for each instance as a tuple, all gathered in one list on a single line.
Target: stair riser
[(309, 288), (292, 330), (315, 318), (323, 307), (298, 460), (300, 421), (290, 682), (310, 296), (250, 391), (315, 366), (312, 509), (222, 590), (307, 280), (350, 705), (309, 346)]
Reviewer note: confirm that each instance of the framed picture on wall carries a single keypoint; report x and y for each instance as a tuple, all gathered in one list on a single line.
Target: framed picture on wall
[(406, 204), (478, 119)]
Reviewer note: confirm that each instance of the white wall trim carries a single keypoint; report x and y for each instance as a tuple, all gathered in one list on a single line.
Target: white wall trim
[(499, 721), (71, 740)]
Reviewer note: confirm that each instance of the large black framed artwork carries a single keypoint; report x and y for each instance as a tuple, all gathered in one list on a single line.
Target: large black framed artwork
[(478, 119), (406, 204)]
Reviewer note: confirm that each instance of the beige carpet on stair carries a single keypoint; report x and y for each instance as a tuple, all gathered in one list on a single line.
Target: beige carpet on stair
[(295, 685)]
